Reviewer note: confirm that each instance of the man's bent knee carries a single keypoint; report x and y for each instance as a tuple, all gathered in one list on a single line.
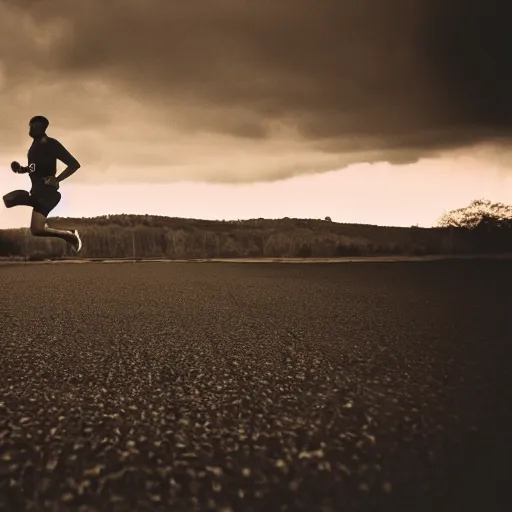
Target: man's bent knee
[(38, 230), (38, 224)]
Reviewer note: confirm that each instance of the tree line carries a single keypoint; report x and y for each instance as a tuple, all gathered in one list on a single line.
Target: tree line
[(481, 227)]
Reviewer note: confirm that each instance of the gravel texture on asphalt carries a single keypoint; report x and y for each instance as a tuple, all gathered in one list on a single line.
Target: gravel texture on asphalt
[(225, 387)]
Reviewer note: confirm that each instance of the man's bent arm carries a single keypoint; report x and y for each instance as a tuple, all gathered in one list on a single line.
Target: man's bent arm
[(67, 172), (72, 163)]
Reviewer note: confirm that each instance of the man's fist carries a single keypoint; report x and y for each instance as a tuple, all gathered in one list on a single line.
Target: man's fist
[(16, 167)]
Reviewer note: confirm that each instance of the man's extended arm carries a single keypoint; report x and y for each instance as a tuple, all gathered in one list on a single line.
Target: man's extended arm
[(66, 157)]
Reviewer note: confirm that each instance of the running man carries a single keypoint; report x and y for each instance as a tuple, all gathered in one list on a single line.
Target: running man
[(44, 194)]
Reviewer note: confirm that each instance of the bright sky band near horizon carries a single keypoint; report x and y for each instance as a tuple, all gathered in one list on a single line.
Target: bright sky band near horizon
[(380, 194)]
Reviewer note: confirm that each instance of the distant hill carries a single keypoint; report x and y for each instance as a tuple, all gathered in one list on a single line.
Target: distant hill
[(151, 236)]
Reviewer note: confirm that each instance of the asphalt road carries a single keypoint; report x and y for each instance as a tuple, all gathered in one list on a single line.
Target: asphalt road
[(249, 387)]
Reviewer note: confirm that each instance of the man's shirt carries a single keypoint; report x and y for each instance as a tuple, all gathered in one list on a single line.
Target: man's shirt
[(43, 155)]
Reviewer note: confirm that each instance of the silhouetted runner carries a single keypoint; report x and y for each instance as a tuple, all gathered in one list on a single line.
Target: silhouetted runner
[(44, 194)]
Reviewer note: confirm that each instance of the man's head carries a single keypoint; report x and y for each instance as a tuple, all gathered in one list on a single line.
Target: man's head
[(38, 126)]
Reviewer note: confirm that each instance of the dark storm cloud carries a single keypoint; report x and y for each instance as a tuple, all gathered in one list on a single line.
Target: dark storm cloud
[(396, 79)]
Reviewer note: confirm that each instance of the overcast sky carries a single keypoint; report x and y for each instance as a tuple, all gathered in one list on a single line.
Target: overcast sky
[(262, 106)]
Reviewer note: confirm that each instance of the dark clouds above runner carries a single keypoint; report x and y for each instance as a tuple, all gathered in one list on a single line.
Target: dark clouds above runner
[(315, 84)]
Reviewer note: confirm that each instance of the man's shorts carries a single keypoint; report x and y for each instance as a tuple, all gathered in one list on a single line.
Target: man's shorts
[(43, 199)]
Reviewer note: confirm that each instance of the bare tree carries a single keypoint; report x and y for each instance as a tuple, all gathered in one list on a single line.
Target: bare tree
[(477, 213)]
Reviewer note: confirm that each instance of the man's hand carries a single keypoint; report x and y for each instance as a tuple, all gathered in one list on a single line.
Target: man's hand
[(52, 181), (17, 168)]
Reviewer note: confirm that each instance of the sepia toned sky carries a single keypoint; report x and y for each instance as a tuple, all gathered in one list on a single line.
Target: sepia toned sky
[(377, 112)]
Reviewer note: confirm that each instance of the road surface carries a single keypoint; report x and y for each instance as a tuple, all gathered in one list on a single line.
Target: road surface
[(225, 387)]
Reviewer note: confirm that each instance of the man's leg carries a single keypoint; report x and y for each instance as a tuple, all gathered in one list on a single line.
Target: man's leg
[(45, 201), (18, 198), (38, 227)]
